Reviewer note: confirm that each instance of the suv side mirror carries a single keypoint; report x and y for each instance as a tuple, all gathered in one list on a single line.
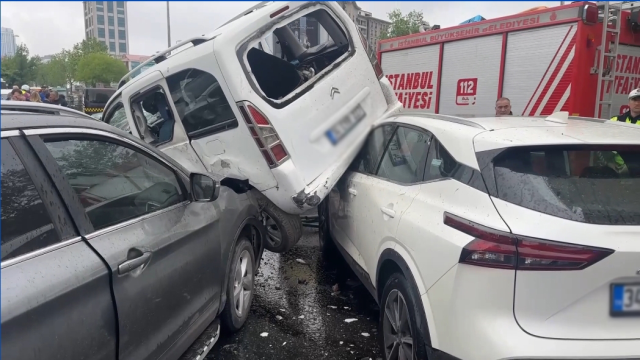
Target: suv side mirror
[(204, 188)]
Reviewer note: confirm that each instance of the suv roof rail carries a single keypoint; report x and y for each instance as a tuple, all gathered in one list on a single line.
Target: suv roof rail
[(449, 118), (246, 12), (162, 56)]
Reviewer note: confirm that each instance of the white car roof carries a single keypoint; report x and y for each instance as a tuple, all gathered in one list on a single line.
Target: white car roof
[(464, 137)]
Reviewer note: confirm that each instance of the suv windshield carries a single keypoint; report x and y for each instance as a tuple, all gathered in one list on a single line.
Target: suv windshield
[(591, 184)]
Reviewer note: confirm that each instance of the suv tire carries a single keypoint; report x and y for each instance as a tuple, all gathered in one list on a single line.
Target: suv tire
[(240, 286), (399, 297), (283, 230)]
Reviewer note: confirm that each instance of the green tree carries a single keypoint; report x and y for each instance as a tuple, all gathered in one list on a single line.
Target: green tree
[(402, 25), (20, 68), (100, 68), (90, 46), (48, 74)]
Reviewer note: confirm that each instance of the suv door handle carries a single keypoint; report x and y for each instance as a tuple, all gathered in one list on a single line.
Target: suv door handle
[(388, 212), (353, 192), (130, 265)]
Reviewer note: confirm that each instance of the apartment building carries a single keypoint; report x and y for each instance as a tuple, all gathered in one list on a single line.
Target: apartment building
[(371, 27)]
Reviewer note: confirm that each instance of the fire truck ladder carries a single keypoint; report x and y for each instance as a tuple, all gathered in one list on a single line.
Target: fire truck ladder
[(607, 53)]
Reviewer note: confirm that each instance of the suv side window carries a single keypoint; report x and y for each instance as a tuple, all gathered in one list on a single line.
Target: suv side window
[(200, 102), (26, 224), (115, 183), (153, 116), (440, 163), (117, 117), (369, 157), (405, 156)]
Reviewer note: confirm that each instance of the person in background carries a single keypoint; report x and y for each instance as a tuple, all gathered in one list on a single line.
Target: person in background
[(54, 98), (35, 97), (43, 90), (63, 101), (26, 92), (45, 100), (14, 94), (503, 107), (633, 115)]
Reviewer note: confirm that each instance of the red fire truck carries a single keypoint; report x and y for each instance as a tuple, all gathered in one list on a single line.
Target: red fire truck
[(544, 61)]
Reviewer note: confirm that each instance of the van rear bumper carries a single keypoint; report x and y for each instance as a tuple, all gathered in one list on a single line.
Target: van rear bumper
[(294, 197)]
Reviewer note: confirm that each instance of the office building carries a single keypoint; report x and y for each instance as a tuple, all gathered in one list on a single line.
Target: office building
[(107, 22), (371, 27), (9, 44)]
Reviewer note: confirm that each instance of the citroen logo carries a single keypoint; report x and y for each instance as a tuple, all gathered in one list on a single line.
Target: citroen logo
[(334, 91)]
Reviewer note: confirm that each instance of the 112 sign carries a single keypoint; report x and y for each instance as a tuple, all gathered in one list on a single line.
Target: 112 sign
[(466, 91)]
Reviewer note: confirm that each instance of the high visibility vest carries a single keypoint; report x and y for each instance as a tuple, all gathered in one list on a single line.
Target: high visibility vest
[(626, 117)]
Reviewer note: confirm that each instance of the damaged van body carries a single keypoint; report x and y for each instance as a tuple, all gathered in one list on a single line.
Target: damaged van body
[(278, 100)]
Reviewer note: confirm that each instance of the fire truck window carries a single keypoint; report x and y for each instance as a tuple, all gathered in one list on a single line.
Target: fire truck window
[(302, 48)]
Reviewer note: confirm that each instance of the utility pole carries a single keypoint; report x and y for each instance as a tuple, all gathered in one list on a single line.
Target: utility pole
[(168, 27)]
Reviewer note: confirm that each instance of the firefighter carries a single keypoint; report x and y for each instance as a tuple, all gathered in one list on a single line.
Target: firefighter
[(633, 115)]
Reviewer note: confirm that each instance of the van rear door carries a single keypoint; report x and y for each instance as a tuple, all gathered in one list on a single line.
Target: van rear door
[(317, 88)]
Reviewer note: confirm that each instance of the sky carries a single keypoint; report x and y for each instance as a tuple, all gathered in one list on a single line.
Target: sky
[(48, 27)]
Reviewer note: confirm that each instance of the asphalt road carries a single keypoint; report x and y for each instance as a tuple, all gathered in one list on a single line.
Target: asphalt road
[(297, 315)]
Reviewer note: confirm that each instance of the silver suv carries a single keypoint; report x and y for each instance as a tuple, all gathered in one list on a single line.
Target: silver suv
[(111, 250)]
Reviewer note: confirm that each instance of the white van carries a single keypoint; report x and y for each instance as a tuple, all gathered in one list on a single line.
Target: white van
[(278, 100)]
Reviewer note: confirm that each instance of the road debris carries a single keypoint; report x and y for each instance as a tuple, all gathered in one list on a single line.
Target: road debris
[(278, 317), (332, 306), (365, 334), (264, 334), (302, 261), (350, 320)]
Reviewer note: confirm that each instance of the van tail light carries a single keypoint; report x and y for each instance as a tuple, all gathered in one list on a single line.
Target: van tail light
[(263, 134), (372, 57), (590, 15), (501, 250)]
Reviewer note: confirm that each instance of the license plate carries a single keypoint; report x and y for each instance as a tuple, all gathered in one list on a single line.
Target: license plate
[(625, 300), (342, 128)]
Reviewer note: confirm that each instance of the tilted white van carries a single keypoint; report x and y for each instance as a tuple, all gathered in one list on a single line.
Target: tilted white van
[(274, 109)]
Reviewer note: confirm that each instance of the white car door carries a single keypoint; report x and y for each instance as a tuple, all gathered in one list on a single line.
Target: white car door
[(383, 198), (344, 195)]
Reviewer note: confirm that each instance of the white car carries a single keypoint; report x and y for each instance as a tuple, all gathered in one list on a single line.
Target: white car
[(253, 103), (496, 238)]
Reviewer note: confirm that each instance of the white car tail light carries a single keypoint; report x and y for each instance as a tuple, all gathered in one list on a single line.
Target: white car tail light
[(497, 249), (264, 134)]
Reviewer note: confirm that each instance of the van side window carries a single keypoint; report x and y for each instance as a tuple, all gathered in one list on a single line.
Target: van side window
[(308, 45), (200, 102), (153, 116)]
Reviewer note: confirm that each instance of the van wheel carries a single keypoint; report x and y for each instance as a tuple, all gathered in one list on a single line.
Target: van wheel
[(283, 230), (239, 286), (401, 336)]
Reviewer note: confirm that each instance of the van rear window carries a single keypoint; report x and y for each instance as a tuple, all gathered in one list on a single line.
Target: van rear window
[(295, 52), (592, 184)]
